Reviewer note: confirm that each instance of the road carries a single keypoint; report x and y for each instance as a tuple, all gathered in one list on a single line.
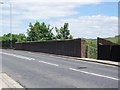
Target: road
[(38, 70)]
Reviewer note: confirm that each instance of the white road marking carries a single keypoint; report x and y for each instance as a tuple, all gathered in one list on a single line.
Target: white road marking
[(93, 74), (49, 63), (70, 58), (75, 59), (18, 56), (28, 58)]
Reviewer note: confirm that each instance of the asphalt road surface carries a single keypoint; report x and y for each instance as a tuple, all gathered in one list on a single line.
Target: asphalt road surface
[(38, 70)]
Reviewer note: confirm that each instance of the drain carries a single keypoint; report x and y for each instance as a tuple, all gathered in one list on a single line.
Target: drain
[(81, 67)]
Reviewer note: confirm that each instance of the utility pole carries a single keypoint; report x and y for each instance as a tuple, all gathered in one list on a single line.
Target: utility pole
[(11, 25)]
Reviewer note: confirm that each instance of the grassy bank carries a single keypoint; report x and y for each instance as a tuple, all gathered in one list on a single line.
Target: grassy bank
[(92, 45)]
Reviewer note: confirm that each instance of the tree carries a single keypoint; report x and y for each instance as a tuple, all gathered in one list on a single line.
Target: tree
[(63, 33), (45, 32), (21, 37), (39, 31), (32, 33), (6, 39)]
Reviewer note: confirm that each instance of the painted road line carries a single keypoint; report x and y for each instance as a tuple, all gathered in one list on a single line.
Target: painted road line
[(75, 59), (49, 63), (93, 74), (71, 59), (18, 56)]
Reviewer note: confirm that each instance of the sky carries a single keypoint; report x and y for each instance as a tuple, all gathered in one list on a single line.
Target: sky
[(86, 18)]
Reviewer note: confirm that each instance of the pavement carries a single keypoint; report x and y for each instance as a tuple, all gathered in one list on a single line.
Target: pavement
[(101, 61), (8, 82), (107, 62), (39, 70)]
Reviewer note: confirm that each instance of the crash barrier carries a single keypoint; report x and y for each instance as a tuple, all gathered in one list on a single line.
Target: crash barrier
[(108, 50), (76, 47)]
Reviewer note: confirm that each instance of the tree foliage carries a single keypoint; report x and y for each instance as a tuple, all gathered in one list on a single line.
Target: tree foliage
[(15, 37), (7, 39), (39, 31), (63, 33)]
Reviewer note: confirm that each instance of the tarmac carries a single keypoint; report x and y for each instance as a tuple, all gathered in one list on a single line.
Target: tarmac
[(7, 82)]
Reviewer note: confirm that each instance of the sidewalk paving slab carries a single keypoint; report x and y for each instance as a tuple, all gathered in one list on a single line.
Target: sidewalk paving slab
[(101, 61), (107, 62), (8, 82)]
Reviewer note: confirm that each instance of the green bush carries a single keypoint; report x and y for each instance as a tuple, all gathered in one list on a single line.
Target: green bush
[(91, 52)]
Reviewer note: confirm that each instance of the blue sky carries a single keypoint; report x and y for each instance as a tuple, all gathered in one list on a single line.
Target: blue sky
[(105, 8), (87, 19)]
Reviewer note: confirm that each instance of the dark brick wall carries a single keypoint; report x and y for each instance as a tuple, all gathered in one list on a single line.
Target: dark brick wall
[(108, 50), (102, 41), (74, 47), (104, 52), (83, 49), (115, 53)]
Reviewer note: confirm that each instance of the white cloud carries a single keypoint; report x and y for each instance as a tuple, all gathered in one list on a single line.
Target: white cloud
[(81, 1), (44, 9), (82, 26), (46, 1), (85, 26), (23, 10), (91, 26)]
